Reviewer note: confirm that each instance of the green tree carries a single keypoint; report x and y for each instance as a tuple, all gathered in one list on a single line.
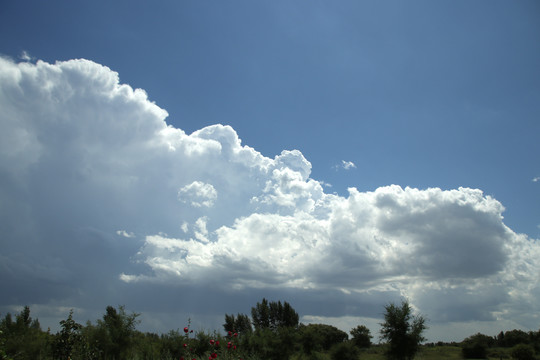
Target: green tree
[(402, 330), (23, 338), (515, 337), (361, 336), (68, 339), (115, 333), (260, 315), (273, 315), (239, 324), (475, 346), (523, 352), (273, 345), (316, 337)]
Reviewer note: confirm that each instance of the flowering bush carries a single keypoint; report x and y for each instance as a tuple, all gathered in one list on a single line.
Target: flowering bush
[(214, 348)]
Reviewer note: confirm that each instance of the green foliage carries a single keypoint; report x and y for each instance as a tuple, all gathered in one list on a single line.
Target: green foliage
[(114, 337), (361, 336), (475, 346), (69, 340), (3, 355), (240, 325), (512, 338), (273, 315), (317, 337), (523, 352), (273, 345), (23, 338), (344, 351), (402, 330)]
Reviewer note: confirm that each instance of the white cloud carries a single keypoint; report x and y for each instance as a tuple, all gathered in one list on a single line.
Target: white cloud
[(25, 56), (82, 156), (347, 165), (198, 194), (536, 179), (124, 233)]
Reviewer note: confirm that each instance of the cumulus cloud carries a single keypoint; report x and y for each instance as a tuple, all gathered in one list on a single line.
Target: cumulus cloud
[(82, 156), (198, 194)]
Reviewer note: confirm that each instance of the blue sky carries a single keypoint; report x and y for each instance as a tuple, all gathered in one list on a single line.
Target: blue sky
[(419, 94)]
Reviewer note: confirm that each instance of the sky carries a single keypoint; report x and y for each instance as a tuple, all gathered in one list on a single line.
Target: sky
[(187, 158)]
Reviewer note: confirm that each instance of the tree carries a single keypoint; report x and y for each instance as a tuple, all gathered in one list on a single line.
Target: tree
[(475, 346), (317, 337), (273, 315), (116, 331), (68, 338), (23, 338), (361, 336), (523, 352), (402, 330), (260, 315), (515, 337), (239, 324)]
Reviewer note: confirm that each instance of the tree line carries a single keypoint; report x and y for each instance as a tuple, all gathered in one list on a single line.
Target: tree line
[(272, 332)]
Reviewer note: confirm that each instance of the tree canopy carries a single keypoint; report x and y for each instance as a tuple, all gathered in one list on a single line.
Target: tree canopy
[(402, 330)]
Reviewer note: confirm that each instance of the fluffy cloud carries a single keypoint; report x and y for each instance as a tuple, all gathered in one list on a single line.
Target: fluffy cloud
[(82, 156), (198, 194)]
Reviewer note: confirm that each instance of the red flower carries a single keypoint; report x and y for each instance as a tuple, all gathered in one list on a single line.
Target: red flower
[(214, 355), (229, 345), (212, 342), (230, 332), (217, 343), (186, 330), (235, 334), (185, 345)]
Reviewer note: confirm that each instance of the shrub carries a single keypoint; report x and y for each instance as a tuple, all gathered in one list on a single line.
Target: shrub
[(344, 351), (523, 352), (474, 350), (475, 346)]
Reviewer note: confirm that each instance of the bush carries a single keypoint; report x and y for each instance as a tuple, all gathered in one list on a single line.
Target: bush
[(523, 352), (344, 351), (317, 337), (475, 347), (474, 350)]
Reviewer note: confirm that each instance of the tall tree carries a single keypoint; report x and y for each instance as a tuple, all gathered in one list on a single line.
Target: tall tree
[(260, 315), (274, 315), (67, 339), (239, 324), (402, 330), (23, 338), (120, 330)]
